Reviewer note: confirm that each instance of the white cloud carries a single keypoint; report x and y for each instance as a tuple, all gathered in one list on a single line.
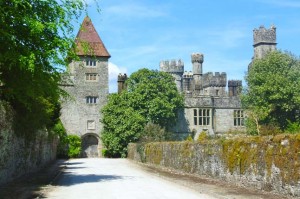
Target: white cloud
[(113, 72)]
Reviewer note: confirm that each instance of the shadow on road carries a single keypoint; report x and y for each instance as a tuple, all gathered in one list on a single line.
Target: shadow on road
[(69, 178)]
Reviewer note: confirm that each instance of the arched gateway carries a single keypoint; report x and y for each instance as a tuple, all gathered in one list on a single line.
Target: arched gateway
[(90, 145)]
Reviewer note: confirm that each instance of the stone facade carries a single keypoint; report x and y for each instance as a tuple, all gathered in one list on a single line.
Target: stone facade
[(86, 82), (208, 106)]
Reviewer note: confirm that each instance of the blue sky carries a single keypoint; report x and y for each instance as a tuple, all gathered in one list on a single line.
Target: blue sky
[(140, 33)]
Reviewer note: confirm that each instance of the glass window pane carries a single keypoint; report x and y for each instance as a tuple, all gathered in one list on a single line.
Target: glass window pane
[(195, 112), (195, 120)]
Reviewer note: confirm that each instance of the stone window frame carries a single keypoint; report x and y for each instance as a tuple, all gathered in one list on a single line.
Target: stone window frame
[(91, 99), (238, 117), (202, 116), (91, 77), (90, 63)]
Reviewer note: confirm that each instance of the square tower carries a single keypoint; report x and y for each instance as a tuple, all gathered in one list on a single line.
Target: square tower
[(87, 86)]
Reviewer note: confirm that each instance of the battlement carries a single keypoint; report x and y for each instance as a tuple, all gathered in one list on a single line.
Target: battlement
[(234, 83), (188, 75), (197, 57), (263, 35), (214, 80), (172, 66), (122, 77)]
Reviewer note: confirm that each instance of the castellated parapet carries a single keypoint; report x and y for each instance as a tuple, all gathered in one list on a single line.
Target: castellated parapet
[(197, 57), (214, 80), (122, 77), (172, 66), (263, 35), (234, 83)]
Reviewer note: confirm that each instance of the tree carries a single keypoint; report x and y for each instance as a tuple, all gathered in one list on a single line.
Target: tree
[(35, 39), (152, 97), (273, 93)]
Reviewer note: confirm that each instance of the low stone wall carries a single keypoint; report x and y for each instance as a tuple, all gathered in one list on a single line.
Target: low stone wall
[(266, 163), (19, 156)]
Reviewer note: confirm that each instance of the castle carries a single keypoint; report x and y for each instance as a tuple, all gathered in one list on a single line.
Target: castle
[(209, 106)]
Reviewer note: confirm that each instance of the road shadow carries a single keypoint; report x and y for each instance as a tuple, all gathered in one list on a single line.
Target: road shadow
[(69, 179)]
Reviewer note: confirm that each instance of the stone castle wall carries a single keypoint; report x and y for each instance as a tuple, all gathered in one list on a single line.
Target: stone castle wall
[(265, 163), (19, 156)]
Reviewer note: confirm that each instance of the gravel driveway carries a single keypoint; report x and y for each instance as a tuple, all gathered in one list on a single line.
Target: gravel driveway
[(121, 178), (114, 178)]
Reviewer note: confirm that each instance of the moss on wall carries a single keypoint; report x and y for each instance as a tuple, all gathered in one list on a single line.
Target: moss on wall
[(272, 161)]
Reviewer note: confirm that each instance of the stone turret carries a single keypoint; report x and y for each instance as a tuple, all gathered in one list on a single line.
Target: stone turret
[(197, 61), (234, 87), (264, 41), (175, 68), (122, 82)]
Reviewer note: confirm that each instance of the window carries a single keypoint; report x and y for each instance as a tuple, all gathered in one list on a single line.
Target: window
[(202, 117), (91, 76), (238, 118), (91, 124), (217, 92), (91, 100), (90, 62)]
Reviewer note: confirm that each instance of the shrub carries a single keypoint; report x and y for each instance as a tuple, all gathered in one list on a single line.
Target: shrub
[(154, 133), (293, 127), (62, 147), (74, 142)]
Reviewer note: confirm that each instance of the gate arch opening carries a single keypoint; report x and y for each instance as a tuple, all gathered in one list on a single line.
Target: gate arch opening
[(89, 145)]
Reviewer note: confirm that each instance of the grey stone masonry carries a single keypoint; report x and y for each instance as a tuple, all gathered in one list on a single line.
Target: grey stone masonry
[(86, 82)]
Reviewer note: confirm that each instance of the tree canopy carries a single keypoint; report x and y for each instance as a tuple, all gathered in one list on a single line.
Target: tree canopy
[(273, 93), (151, 97), (35, 40)]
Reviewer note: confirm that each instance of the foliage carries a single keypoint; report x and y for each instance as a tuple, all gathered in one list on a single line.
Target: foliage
[(122, 125), (189, 138), (273, 94), (293, 127), (202, 136), (154, 133), (74, 142), (35, 39), (62, 148), (152, 97)]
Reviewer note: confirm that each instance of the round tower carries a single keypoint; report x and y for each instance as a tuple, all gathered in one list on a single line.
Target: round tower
[(197, 61)]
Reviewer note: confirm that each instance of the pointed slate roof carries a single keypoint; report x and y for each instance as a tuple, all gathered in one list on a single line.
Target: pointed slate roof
[(88, 41)]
